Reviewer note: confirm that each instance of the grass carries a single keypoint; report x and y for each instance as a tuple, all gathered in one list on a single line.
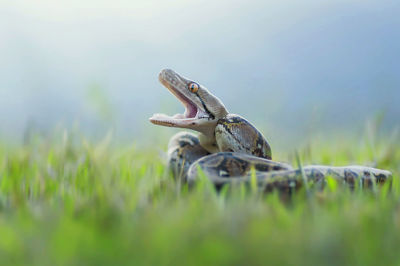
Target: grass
[(67, 201)]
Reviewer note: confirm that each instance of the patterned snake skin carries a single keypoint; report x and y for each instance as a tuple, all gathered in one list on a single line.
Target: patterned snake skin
[(230, 150)]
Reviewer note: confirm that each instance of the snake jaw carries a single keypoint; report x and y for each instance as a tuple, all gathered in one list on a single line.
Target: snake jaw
[(202, 109), (193, 111), (178, 120), (190, 117)]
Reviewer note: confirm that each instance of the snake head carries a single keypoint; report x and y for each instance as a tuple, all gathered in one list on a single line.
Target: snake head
[(202, 109)]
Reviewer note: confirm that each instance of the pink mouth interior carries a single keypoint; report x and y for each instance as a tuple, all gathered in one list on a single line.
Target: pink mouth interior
[(191, 111), (191, 108)]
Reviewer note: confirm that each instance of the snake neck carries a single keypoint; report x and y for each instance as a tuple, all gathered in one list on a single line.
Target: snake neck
[(233, 133)]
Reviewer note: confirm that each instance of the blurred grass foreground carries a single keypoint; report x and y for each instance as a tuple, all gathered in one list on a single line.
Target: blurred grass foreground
[(65, 200)]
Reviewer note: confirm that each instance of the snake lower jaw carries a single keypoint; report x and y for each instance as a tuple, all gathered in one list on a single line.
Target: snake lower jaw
[(182, 120), (171, 121)]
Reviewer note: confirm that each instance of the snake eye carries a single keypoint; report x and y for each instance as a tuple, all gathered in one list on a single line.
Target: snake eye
[(194, 87)]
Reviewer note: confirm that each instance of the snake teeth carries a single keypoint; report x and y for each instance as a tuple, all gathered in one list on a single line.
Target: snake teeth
[(179, 116)]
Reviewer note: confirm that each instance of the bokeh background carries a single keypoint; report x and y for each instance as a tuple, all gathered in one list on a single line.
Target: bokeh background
[(296, 69)]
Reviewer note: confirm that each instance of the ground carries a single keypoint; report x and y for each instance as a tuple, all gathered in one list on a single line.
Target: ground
[(65, 200)]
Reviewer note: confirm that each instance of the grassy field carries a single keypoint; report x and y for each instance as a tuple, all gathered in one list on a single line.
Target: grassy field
[(68, 201)]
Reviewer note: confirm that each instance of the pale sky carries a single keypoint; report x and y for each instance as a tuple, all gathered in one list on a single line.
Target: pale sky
[(277, 63)]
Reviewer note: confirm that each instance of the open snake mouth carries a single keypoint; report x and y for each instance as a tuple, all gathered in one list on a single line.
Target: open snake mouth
[(192, 111)]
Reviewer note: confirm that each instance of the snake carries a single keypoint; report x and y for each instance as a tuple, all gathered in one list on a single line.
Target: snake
[(228, 149)]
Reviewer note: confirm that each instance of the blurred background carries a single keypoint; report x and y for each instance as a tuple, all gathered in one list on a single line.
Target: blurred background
[(295, 69)]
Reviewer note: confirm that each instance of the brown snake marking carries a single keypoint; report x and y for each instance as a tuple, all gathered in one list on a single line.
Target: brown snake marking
[(234, 133), (228, 147)]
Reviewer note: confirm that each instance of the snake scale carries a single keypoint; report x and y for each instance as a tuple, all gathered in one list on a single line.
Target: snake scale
[(229, 149)]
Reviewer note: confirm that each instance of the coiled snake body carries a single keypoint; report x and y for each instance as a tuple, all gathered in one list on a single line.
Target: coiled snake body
[(230, 149)]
